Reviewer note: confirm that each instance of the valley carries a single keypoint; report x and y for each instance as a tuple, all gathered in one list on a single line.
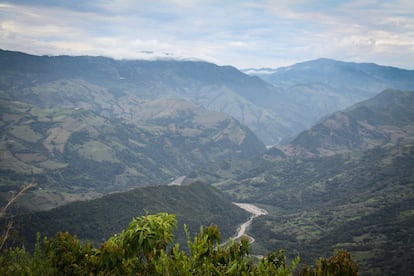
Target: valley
[(310, 158)]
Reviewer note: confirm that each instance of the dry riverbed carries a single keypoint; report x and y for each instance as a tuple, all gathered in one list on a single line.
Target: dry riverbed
[(256, 212)]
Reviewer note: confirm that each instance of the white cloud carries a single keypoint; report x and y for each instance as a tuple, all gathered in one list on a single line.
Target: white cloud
[(241, 33)]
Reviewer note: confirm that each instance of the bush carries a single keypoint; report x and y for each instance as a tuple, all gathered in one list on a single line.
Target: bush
[(145, 248)]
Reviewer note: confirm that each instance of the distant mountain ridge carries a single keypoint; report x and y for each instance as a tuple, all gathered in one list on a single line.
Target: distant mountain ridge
[(290, 100), (367, 76), (218, 88), (320, 87)]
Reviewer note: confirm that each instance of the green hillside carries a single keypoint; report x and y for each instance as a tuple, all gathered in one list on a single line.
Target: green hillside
[(96, 220)]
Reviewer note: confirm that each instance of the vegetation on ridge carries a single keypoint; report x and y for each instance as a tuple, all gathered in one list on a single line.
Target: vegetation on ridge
[(195, 205), (145, 248)]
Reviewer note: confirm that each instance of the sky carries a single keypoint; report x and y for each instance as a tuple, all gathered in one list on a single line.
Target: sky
[(244, 34)]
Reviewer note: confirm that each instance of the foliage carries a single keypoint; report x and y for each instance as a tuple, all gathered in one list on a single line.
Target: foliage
[(339, 264), (96, 220), (145, 248), (66, 255)]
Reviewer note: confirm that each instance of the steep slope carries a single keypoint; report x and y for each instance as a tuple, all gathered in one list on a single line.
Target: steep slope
[(106, 85), (319, 87), (386, 118), (72, 151), (195, 205)]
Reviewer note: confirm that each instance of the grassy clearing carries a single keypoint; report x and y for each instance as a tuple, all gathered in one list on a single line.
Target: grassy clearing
[(52, 165), (56, 139), (407, 213), (96, 151)]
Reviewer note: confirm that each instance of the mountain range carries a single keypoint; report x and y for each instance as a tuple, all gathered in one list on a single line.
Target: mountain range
[(289, 101), (99, 131), (77, 81)]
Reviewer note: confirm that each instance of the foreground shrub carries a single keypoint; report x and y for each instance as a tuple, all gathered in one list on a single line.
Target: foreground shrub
[(146, 248)]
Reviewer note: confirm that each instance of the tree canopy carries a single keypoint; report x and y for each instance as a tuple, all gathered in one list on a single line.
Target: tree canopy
[(146, 247)]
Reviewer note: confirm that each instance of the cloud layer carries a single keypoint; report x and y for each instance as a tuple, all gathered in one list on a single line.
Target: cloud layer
[(240, 33)]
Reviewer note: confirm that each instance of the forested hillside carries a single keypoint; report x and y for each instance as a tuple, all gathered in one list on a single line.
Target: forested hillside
[(146, 247), (360, 200), (96, 220)]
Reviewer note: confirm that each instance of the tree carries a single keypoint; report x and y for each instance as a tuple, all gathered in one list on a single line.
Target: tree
[(146, 248), (339, 264)]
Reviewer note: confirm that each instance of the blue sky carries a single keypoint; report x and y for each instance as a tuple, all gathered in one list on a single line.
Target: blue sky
[(239, 33)]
